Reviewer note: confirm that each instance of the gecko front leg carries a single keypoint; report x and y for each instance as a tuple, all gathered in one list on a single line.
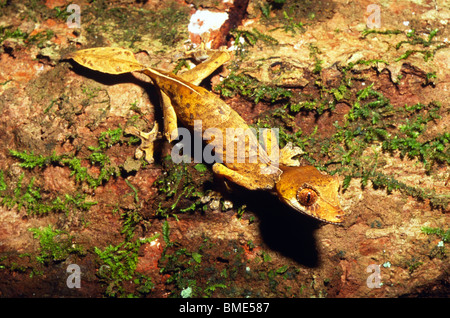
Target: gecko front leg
[(234, 176), (170, 118), (283, 156), (288, 152)]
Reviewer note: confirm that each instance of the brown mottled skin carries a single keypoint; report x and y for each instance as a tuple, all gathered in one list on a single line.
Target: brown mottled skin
[(303, 188)]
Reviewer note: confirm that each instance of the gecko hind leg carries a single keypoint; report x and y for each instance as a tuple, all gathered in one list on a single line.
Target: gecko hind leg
[(146, 149), (147, 146), (203, 70)]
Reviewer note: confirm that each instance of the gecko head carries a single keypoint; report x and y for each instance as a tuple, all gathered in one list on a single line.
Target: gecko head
[(311, 192)]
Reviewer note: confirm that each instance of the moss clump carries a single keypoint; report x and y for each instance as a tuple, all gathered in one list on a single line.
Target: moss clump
[(438, 250), (118, 265), (131, 27), (55, 245), (443, 234), (75, 164), (188, 275), (370, 122), (413, 39), (252, 89), (30, 198), (37, 39), (179, 191)]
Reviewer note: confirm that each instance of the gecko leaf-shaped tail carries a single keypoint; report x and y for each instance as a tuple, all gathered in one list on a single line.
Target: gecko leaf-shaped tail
[(111, 60)]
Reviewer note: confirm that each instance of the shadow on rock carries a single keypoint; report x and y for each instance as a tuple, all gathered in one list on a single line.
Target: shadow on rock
[(288, 232), (283, 229), (110, 79)]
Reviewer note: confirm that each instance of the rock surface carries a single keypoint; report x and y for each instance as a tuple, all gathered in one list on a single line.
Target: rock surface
[(161, 230)]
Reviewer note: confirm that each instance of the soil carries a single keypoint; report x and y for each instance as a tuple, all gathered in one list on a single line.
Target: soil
[(165, 230)]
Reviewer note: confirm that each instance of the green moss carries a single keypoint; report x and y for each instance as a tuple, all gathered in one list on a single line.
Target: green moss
[(3, 185), (366, 32), (118, 267), (328, 96), (430, 46), (30, 160), (75, 164), (373, 109), (241, 210), (414, 39), (108, 139), (30, 197), (438, 250), (200, 167), (443, 234), (188, 275), (8, 33), (286, 15), (252, 38), (252, 89), (55, 245), (288, 130), (178, 191), (314, 53), (372, 121), (268, 6), (413, 264), (369, 122), (290, 25), (245, 38), (304, 105), (37, 39), (133, 27), (31, 200), (118, 263), (168, 24)]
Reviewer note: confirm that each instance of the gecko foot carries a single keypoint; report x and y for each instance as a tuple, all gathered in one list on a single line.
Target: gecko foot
[(288, 152), (146, 148)]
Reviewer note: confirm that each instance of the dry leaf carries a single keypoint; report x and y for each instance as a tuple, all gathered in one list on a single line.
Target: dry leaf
[(111, 60)]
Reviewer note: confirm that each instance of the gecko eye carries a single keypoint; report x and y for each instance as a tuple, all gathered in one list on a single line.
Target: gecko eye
[(306, 196)]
